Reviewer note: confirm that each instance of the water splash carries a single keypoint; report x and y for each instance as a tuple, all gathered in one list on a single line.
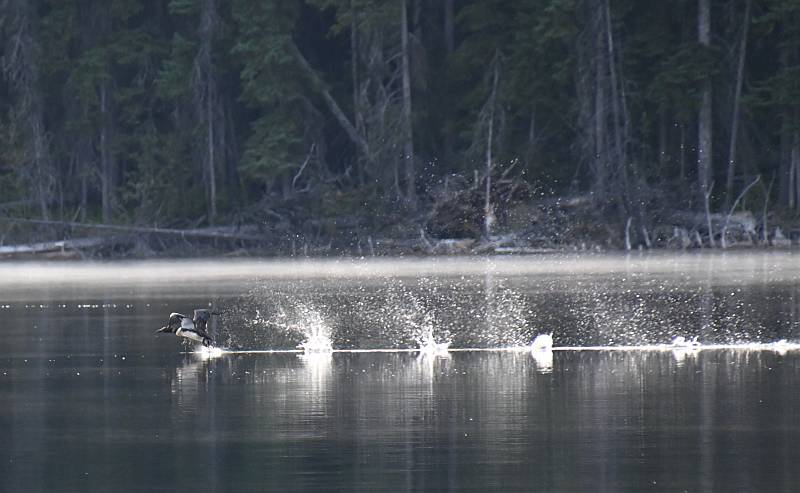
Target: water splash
[(423, 325), (682, 342), (428, 346), (542, 343), (494, 309), (782, 347), (207, 353), (316, 332)]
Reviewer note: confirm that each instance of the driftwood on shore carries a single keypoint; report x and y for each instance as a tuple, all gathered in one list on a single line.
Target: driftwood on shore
[(121, 237), (225, 232), (57, 246)]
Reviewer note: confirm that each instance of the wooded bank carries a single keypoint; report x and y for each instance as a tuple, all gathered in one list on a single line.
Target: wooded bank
[(330, 124)]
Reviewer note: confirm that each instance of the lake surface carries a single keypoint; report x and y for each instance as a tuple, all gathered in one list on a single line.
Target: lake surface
[(91, 399)]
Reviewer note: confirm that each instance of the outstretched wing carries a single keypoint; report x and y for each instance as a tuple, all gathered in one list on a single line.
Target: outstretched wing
[(187, 324), (201, 318), (176, 321)]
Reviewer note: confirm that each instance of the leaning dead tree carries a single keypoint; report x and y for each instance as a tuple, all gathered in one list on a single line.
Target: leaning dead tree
[(381, 126), (737, 97), (724, 231), (484, 136)]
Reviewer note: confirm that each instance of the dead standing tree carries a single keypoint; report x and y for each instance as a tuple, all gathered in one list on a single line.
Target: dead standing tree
[(485, 133), (737, 96), (206, 100), (408, 131), (381, 127), (382, 98), (704, 150), (604, 119), (20, 67)]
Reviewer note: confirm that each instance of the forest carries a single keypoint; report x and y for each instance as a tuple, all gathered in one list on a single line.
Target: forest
[(325, 126)]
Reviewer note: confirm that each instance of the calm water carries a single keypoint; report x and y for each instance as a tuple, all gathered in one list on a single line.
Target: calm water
[(91, 399)]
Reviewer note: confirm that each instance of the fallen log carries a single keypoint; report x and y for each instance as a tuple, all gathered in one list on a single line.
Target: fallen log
[(223, 232), (55, 246)]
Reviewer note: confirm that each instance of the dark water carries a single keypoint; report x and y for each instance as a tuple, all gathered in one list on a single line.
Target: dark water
[(92, 400)]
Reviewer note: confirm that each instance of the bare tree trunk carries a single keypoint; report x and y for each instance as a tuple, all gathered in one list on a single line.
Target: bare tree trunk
[(106, 158), (600, 136), (20, 65), (704, 150), (357, 117), (408, 134), (707, 209), (488, 208), (84, 196), (785, 171), (206, 99), (619, 145), (663, 133), (619, 116), (682, 160), (794, 166), (448, 132), (230, 152), (736, 100), (211, 167), (449, 31), (764, 210)]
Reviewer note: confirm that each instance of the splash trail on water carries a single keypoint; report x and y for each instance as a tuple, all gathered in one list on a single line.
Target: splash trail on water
[(778, 347)]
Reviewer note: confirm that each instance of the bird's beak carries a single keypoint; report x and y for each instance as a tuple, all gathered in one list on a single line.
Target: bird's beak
[(163, 329)]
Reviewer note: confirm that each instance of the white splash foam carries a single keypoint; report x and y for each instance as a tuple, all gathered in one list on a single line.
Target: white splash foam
[(206, 353), (681, 342), (316, 343), (782, 346), (542, 343), (429, 346), (317, 333)]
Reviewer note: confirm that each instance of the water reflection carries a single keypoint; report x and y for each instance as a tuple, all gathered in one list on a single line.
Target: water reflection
[(469, 421), (543, 360)]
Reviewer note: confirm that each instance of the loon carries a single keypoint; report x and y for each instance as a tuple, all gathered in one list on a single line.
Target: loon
[(190, 328)]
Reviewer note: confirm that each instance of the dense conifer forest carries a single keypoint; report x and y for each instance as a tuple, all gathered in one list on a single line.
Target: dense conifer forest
[(340, 124)]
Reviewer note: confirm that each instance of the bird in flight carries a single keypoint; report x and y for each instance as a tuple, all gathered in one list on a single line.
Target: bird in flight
[(195, 328)]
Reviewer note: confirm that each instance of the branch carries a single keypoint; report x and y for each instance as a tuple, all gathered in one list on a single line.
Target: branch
[(305, 163), (764, 235), (733, 207), (707, 197)]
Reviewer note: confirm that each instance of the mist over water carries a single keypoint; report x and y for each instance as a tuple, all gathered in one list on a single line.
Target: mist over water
[(94, 400)]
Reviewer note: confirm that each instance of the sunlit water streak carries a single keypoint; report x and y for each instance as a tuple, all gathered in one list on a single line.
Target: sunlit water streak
[(779, 347)]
